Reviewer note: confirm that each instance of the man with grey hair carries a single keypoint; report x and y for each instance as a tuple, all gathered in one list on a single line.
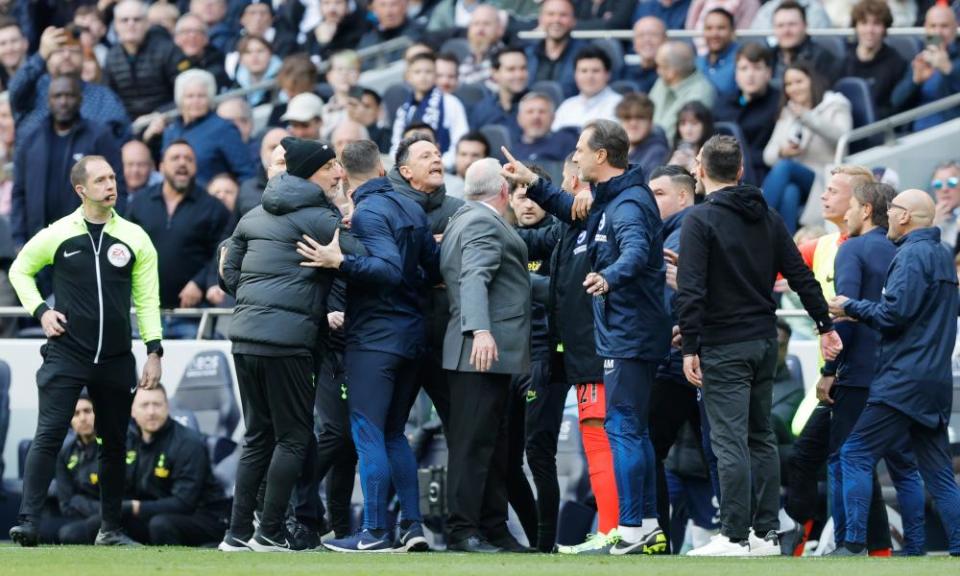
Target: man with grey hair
[(484, 266), (537, 142), (142, 65), (384, 343), (193, 38), (347, 132), (680, 82), (625, 241)]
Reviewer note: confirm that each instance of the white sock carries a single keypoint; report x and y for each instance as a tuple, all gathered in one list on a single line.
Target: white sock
[(650, 524), (631, 533)]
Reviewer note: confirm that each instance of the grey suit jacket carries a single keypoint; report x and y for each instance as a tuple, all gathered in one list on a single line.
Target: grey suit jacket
[(484, 266)]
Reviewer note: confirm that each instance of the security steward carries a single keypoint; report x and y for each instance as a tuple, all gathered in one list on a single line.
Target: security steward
[(78, 479), (100, 262)]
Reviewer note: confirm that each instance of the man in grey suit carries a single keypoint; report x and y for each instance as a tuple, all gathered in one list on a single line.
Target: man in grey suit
[(484, 266)]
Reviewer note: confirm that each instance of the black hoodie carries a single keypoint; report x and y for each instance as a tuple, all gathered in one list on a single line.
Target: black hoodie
[(734, 246)]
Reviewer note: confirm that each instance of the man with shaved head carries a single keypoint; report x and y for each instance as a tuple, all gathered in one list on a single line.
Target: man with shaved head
[(912, 392), (252, 189)]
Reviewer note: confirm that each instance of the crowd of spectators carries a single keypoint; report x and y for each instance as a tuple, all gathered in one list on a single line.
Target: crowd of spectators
[(95, 77)]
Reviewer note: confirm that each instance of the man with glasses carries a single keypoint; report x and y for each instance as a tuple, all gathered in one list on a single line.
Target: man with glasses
[(143, 64), (911, 393), (945, 187), (192, 37)]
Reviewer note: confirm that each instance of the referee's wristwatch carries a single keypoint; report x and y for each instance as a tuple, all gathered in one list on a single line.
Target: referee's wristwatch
[(155, 348)]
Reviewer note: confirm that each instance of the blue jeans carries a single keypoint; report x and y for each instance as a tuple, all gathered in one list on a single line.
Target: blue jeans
[(880, 432), (786, 188), (381, 387), (628, 384)]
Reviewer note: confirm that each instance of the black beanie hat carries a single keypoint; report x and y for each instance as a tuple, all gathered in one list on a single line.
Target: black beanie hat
[(305, 157)]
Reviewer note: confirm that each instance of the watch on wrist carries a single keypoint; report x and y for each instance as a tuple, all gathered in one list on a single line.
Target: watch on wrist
[(158, 350)]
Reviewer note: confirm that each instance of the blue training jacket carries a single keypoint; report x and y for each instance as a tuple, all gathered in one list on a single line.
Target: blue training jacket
[(860, 269), (384, 288), (917, 321), (625, 243), (672, 367)]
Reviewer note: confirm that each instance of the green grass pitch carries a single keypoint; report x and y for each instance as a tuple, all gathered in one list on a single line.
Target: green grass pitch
[(83, 561)]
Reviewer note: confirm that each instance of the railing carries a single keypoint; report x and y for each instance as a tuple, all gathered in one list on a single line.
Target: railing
[(888, 125), (376, 54), (207, 315), (743, 33)]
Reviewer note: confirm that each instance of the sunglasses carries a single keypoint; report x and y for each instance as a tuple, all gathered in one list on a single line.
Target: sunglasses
[(950, 182)]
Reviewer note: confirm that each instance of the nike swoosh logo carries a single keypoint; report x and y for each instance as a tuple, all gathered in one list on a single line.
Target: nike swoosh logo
[(69, 254), (361, 546)]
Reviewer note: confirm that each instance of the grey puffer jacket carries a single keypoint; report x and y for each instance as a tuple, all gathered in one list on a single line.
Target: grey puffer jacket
[(281, 306)]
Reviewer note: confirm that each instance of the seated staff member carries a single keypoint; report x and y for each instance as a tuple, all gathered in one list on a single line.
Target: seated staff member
[(78, 480)]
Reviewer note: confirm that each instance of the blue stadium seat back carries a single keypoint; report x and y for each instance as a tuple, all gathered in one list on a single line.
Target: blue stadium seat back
[(4, 410), (393, 98), (551, 88), (470, 95), (624, 86), (833, 44), (907, 46), (225, 472), (614, 49), (219, 448), (323, 90), (497, 136), (206, 389), (795, 367), (185, 418), (733, 129), (31, 332), (552, 167), (857, 91), (459, 47)]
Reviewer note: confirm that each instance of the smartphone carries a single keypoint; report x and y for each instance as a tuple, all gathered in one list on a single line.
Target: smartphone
[(934, 40)]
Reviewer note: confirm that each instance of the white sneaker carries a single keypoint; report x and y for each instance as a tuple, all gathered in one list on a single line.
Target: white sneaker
[(720, 545), (767, 546)]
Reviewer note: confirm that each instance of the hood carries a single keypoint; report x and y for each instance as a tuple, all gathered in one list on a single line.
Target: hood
[(745, 200), (604, 192), (931, 234), (833, 100), (286, 193), (428, 202), (370, 188)]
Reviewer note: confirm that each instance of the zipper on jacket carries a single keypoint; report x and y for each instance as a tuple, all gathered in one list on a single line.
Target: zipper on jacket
[(96, 262)]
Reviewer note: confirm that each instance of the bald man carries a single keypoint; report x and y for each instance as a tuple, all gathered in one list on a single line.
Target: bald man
[(252, 189), (912, 392), (934, 73), (680, 82)]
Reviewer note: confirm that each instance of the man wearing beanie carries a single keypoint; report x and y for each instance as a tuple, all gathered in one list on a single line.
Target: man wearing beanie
[(279, 317)]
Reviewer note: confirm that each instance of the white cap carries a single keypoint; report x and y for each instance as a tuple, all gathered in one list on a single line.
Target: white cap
[(303, 108)]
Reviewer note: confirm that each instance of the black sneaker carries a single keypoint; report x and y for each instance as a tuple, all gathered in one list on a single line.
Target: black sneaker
[(262, 543), (25, 534), (302, 537), (115, 538), (231, 543), (654, 543), (411, 539)]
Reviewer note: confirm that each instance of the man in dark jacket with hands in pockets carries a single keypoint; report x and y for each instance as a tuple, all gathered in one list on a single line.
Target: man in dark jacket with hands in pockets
[(734, 246)]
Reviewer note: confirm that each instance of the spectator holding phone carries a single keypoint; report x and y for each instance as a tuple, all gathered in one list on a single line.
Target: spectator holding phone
[(934, 73)]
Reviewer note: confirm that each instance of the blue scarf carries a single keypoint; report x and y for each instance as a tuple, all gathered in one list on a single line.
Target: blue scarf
[(430, 112), (244, 80)]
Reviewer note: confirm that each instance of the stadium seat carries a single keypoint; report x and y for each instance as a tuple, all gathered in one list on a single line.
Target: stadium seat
[(551, 89), (185, 418), (733, 129), (907, 46), (833, 44), (393, 98), (497, 136), (206, 389), (459, 47), (624, 86), (470, 95), (857, 91), (4, 411), (614, 49)]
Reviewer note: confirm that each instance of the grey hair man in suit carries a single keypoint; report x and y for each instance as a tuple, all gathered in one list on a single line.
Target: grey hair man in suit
[(484, 266)]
